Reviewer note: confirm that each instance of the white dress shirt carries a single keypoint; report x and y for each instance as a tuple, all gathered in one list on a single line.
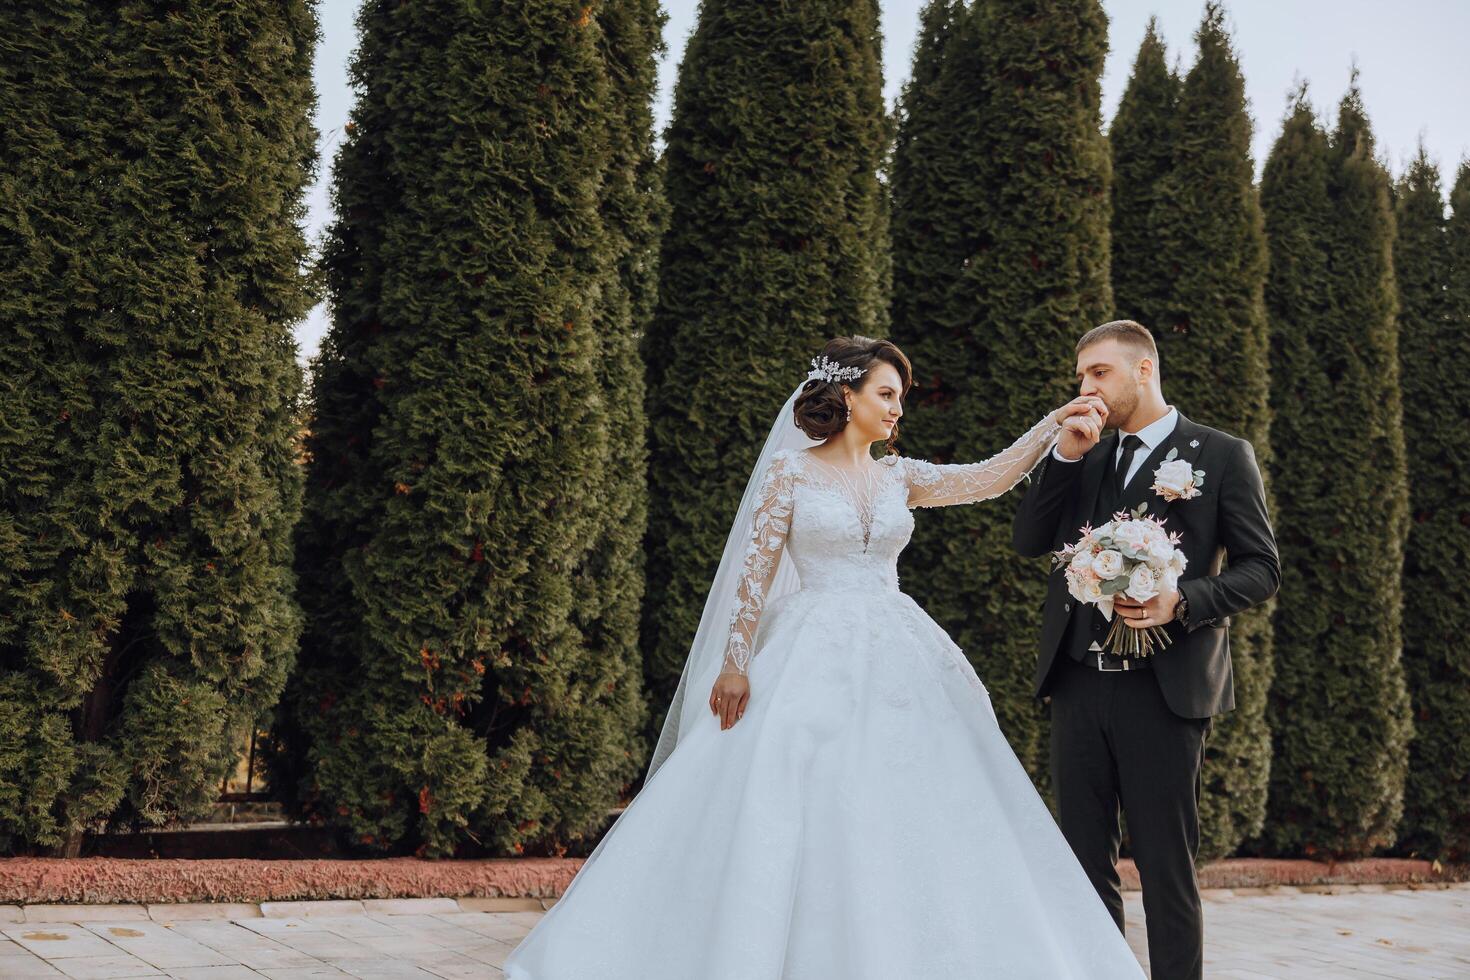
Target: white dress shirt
[(1152, 434)]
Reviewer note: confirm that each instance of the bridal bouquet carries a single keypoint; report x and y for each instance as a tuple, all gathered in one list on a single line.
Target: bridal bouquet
[(1132, 556)]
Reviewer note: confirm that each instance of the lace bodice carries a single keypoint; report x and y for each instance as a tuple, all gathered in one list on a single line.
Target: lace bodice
[(845, 530)]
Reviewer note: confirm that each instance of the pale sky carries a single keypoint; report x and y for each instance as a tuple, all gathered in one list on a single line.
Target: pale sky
[(1414, 74)]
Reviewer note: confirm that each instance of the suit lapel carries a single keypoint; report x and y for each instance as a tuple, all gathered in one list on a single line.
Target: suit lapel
[(1189, 440)]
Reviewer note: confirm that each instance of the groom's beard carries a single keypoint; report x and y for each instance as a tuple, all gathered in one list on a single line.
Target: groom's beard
[(1121, 410)]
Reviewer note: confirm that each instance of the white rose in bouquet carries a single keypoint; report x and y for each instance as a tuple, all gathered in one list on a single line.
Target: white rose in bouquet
[(1129, 536), (1108, 564), (1142, 585)]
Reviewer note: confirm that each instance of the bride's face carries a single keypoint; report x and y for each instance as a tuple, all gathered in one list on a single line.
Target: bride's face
[(877, 405)]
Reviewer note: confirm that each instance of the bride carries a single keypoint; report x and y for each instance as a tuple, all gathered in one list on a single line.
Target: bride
[(844, 805)]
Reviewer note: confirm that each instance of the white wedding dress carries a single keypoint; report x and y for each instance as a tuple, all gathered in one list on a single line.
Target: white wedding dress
[(866, 817)]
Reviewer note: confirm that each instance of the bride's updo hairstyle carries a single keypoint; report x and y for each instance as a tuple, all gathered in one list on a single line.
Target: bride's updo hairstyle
[(821, 410)]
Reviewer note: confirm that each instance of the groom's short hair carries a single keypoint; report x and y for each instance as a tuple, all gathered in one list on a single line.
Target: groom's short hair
[(1130, 333)]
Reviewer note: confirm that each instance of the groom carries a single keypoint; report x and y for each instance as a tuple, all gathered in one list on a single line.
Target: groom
[(1132, 730)]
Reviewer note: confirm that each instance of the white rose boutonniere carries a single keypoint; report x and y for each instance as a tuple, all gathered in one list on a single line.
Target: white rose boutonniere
[(1177, 479)]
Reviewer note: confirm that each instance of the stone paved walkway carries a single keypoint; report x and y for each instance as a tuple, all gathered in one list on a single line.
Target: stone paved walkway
[(1338, 932)]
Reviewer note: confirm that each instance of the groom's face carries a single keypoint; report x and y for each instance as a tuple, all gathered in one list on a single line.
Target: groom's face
[(1110, 371)]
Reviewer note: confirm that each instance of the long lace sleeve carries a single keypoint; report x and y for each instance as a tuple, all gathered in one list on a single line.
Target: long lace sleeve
[(770, 523), (939, 485)]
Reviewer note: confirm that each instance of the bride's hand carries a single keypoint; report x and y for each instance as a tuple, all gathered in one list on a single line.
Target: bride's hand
[(728, 698), (1081, 405), (1082, 420)]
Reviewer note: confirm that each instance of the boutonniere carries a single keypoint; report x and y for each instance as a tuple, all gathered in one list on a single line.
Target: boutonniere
[(1177, 479)]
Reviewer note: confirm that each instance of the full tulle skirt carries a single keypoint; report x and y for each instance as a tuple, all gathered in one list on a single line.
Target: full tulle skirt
[(866, 818)]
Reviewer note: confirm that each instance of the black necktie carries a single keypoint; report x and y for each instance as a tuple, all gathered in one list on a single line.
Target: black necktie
[(1130, 444)]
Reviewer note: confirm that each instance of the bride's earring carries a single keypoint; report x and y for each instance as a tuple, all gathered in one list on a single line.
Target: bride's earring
[(849, 413)]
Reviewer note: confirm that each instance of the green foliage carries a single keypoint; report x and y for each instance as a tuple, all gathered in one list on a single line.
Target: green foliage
[(1432, 268), (1189, 261), (775, 244), (601, 748), (1338, 709), (1001, 263), (151, 254), (455, 683), (1143, 137), (937, 205)]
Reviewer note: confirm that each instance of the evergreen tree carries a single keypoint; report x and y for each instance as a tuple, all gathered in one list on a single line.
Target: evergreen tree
[(1432, 269), (609, 585), (1203, 278), (773, 153), (1143, 137), (937, 205), (448, 690), (1338, 709), (1033, 278), (151, 253)]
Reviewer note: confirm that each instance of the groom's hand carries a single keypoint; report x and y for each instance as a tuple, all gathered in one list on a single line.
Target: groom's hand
[(1082, 419), (1141, 615)]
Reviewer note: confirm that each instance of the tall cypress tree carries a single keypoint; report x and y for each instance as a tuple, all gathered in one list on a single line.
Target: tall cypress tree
[(151, 252), (1201, 274), (936, 212), (1142, 137), (773, 151), (1034, 167), (1432, 269), (608, 586), (447, 688), (1338, 709)]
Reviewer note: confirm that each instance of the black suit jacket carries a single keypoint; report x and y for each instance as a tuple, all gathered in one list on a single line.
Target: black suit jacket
[(1228, 517)]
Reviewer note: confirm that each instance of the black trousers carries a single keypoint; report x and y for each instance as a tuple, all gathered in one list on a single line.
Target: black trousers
[(1114, 740)]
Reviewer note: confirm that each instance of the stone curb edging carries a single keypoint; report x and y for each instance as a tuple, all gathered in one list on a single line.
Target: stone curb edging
[(168, 912), (517, 884)]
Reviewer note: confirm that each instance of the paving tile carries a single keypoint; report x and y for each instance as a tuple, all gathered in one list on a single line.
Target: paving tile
[(279, 927), (359, 926), (278, 958), (26, 965), (448, 963), (54, 941), (379, 969), (496, 927), (401, 946), (224, 936), (158, 945), (491, 953), (326, 945), (92, 967)]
